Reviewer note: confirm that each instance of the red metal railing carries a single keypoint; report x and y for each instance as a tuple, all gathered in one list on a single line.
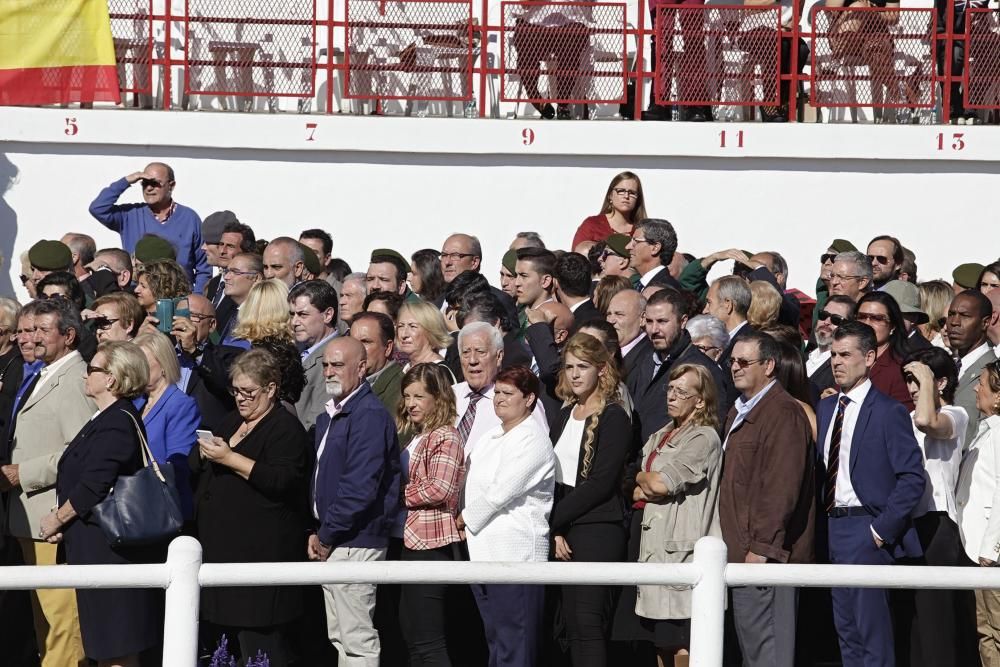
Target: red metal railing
[(324, 51)]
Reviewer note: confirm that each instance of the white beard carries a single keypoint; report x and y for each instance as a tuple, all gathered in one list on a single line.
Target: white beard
[(335, 388)]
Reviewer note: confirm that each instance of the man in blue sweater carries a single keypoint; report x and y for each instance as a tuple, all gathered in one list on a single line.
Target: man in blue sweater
[(355, 495), (159, 215)]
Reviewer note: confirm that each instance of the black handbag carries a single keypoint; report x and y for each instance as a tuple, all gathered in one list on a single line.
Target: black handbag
[(144, 508)]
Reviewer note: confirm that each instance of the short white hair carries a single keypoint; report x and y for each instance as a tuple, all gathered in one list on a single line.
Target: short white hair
[(492, 334), (708, 326), (356, 277)]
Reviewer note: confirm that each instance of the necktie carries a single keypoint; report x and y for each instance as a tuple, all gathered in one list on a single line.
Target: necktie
[(465, 426), (833, 460)]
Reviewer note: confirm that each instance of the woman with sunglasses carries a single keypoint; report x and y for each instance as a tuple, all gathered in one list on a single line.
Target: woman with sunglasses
[(592, 437), (115, 316), (881, 312), (251, 480), (623, 206)]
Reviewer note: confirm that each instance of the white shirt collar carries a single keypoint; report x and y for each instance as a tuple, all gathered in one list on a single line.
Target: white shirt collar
[(738, 327), (49, 369), (973, 355), (635, 341), (859, 393), (309, 350), (649, 275), (576, 305), (333, 408)]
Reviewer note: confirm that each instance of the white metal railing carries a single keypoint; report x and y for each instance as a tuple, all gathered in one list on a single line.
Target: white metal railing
[(183, 575)]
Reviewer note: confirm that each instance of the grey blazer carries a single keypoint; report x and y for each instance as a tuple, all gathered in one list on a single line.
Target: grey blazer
[(51, 417), (314, 396), (965, 394)]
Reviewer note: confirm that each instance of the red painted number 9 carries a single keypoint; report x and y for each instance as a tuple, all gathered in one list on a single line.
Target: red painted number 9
[(527, 136)]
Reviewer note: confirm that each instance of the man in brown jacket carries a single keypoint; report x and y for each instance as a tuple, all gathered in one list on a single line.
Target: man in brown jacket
[(766, 503)]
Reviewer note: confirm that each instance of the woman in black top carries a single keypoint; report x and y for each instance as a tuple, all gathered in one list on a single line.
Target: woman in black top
[(251, 505), (592, 439), (116, 624)]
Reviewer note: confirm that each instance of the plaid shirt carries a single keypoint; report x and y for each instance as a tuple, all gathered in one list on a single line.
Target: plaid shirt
[(437, 475)]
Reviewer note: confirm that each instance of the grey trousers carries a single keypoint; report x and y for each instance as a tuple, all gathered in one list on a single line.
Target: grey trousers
[(765, 625)]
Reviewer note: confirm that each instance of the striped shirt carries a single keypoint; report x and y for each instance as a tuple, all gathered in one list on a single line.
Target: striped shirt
[(436, 479)]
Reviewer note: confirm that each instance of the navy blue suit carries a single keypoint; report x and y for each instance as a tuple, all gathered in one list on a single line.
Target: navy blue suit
[(887, 474)]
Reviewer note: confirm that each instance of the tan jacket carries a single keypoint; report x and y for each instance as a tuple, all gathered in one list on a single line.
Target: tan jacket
[(51, 417), (690, 465)]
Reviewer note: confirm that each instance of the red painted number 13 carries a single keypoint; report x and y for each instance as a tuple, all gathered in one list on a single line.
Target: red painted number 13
[(957, 143)]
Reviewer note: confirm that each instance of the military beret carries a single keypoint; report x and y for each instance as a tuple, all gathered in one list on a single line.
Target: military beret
[(617, 242), (966, 275), (310, 259), (840, 245), (213, 226), (509, 260), (54, 256), (392, 257), (152, 247)]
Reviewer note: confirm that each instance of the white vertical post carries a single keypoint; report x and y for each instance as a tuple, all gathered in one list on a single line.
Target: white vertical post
[(708, 602), (183, 599)]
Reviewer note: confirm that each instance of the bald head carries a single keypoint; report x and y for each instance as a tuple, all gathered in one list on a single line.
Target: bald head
[(562, 320), (284, 259), (625, 314), (460, 252), (344, 366), (202, 316)]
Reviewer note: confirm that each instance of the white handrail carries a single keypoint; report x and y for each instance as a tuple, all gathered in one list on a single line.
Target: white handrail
[(183, 575)]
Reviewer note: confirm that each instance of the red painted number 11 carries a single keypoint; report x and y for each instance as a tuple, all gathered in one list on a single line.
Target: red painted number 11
[(739, 139)]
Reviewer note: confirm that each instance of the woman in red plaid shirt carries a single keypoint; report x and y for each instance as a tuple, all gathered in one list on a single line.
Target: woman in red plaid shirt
[(433, 465)]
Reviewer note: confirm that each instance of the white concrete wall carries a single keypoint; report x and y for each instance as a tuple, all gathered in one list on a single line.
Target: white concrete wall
[(407, 183)]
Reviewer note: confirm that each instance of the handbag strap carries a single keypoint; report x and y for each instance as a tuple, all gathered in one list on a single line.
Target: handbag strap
[(147, 454)]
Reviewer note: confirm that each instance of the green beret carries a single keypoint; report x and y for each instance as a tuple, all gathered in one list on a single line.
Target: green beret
[(840, 245), (310, 259), (381, 255), (616, 244), (509, 260), (51, 256), (966, 275), (152, 247)]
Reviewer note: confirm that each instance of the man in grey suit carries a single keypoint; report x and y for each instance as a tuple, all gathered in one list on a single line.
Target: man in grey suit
[(50, 417), (969, 317), (313, 308)]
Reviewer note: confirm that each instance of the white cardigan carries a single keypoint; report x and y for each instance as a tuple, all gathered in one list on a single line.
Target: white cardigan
[(978, 493), (509, 486)]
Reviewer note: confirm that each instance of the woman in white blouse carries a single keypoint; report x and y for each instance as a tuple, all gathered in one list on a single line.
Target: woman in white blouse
[(940, 636), (978, 493), (508, 497)]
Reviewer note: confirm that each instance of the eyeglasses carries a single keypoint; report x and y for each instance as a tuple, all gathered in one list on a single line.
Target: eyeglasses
[(835, 319), (245, 394), (102, 323), (455, 256), (679, 393), (706, 348), (881, 259), (624, 192), (744, 363), (841, 277), (872, 317), (827, 257), (236, 272), (95, 369), (199, 317)]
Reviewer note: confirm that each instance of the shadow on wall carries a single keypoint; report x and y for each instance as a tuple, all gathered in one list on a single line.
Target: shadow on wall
[(8, 226)]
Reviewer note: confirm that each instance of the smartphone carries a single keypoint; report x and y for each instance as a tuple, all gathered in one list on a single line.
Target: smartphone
[(204, 435), (165, 314)]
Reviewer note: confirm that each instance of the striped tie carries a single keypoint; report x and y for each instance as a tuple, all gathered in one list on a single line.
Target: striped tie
[(465, 426), (833, 460)]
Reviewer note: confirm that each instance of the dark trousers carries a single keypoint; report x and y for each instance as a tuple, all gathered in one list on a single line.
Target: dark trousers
[(587, 609), (422, 613), (862, 616), (943, 628), (512, 616)]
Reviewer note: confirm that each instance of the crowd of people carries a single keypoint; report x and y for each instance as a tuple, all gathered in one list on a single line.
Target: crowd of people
[(606, 403)]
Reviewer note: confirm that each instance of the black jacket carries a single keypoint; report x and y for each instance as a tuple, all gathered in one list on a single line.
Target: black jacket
[(585, 312)]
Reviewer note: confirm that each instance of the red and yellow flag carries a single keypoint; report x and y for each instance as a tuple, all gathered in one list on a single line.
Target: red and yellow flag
[(56, 52)]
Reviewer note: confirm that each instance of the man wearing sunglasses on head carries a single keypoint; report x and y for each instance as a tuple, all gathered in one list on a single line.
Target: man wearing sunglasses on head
[(836, 311), (159, 214), (886, 255)]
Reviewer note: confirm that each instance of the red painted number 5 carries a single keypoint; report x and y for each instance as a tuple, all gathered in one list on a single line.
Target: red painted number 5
[(527, 136), (71, 129), (957, 141)]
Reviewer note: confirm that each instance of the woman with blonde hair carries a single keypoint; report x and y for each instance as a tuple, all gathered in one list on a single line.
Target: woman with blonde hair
[(935, 297), (433, 470), (765, 303), (623, 206), (421, 333), (675, 502), (592, 442), (264, 314)]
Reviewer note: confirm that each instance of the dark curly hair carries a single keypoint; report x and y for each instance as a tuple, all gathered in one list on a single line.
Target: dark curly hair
[(293, 376)]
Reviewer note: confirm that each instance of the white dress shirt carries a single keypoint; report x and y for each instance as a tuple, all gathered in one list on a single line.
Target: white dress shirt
[(649, 275), (508, 495), (631, 344), (567, 451), (844, 495), (486, 417), (816, 359), (978, 493), (942, 459), (732, 334)]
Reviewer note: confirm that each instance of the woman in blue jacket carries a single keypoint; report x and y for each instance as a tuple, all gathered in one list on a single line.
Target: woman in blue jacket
[(171, 417)]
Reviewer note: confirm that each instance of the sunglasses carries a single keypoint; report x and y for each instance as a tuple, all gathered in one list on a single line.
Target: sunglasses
[(880, 259), (827, 257), (835, 319), (744, 363), (95, 369), (102, 323), (151, 183), (24, 279), (872, 317)]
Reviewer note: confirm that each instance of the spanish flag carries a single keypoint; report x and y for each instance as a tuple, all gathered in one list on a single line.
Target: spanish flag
[(56, 52)]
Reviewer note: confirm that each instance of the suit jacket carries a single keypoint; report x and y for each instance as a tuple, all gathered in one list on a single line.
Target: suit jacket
[(649, 392), (664, 279), (214, 403), (886, 466), (767, 501), (225, 316), (48, 421), (978, 493), (638, 352), (965, 394), (585, 312), (314, 395), (387, 386), (213, 286), (11, 374), (170, 430), (822, 378)]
